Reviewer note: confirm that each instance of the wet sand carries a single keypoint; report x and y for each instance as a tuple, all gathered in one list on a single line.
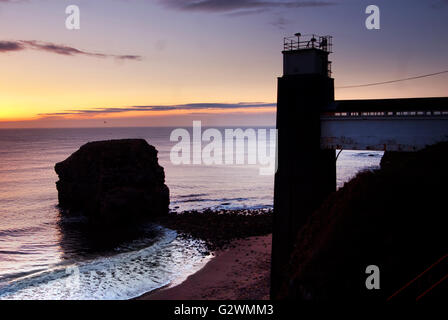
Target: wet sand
[(241, 271)]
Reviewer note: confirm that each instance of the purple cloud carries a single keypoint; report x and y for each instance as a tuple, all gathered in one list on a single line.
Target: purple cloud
[(239, 6), (8, 46), (190, 106)]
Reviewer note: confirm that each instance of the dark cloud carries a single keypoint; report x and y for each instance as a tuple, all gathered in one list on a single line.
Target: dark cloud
[(129, 57), (240, 6), (234, 7), (190, 106), (7, 46), (54, 48)]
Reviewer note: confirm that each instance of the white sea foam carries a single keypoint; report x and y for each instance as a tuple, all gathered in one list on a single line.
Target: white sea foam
[(36, 249), (122, 276)]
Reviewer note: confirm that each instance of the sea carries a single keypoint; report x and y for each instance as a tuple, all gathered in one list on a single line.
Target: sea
[(45, 255)]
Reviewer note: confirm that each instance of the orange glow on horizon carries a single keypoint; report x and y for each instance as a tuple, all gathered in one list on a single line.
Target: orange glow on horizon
[(156, 113)]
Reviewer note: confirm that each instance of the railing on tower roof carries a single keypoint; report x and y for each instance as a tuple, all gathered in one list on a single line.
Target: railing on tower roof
[(308, 41)]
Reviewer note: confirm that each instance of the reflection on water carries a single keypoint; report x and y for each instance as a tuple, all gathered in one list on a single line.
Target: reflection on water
[(37, 244)]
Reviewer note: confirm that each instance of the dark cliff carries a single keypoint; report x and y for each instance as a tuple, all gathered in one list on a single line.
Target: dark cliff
[(394, 217)]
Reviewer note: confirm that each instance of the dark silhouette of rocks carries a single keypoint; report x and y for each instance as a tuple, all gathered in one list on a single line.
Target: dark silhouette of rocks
[(113, 182), (394, 217), (219, 228)]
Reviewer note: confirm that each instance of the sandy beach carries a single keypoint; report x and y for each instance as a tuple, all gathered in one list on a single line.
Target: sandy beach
[(241, 271)]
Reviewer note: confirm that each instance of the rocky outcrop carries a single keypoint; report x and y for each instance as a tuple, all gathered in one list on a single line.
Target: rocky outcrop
[(394, 218), (219, 228), (113, 182)]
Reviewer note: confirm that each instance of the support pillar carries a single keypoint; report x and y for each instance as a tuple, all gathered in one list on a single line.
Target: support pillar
[(306, 174)]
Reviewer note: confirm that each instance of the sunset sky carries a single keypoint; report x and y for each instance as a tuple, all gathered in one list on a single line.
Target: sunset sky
[(168, 62)]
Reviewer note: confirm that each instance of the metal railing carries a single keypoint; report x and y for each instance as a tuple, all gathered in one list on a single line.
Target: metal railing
[(310, 41), (385, 114)]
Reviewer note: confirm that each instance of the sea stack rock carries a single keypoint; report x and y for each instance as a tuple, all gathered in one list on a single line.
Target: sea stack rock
[(113, 182)]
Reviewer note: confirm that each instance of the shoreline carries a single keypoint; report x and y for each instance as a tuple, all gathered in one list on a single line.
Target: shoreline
[(241, 271)]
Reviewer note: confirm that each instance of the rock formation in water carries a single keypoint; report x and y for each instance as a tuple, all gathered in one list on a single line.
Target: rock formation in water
[(113, 182), (394, 218)]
